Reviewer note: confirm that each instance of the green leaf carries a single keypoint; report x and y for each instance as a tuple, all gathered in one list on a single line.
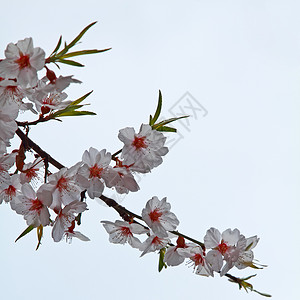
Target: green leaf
[(71, 109), (158, 110), (83, 52), (162, 123), (161, 263), (57, 46), (167, 129), (76, 40), (70, 62), (77, 113), (76, 102), (27, 230), (39, 231), (80, 35)]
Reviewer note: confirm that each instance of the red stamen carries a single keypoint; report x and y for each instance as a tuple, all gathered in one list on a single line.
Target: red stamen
[(139, 142), (156, 241), (223, 247), (11, 191), (23, 61), (62, 184), (198, 259), (95, 171), (36, 205), (155, 215), (126, 231)]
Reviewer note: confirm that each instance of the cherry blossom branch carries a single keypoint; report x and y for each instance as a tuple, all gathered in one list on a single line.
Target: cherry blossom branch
[(29, 143), (41, 119), (124, 213)]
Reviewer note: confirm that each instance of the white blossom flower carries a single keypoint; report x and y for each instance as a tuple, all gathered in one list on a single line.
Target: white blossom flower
[(64, 187), (13, 190), (30, 172), (65, 218), (224, 246), (121, 232), (158, 217), (173, 257), (6, 162), (51, 101), (33, 206), (246, 255), (8, 125), (153, 243), (70, 233), (142, 151), (22, 62), (121, 179), (197, 259), (95, 165)]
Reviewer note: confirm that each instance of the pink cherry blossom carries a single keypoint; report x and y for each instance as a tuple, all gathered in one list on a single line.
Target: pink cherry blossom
[(143, 150), (158, 217), (33, 206), (22, 62), (121, 232), (65, 218)]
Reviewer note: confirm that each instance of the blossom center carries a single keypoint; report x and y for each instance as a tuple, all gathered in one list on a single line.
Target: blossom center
[(95, 171), (223, 247), (23, 61), (126, 231), (31, 173), (10, 191), (62, 184), (139, 142), (156, 241), (36, 205), (155, 215), (198, 259)]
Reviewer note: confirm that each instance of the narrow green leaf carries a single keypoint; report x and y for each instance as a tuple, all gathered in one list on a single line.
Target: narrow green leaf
[(57, 46), (150, 120), (77, 113), (83, 52), (70, 62), (75, 41), (75, 102), (166, 129), (162, 123), (27, 230), (69, 108), (80, 35), (39, 231), (262, 294), (161, 263), (158, 109)]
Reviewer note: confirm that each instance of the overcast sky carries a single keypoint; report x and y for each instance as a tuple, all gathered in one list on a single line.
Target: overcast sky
[(234, 67)]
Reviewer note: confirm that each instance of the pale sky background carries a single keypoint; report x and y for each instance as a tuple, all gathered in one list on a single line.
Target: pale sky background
[(236, 167)]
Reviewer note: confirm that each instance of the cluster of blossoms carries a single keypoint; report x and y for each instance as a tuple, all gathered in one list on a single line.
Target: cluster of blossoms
[(20, 90), (57, 199), (231, 247)]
